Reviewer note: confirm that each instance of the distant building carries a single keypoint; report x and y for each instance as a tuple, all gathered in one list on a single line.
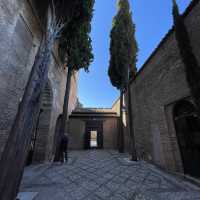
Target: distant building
[(94, 128)]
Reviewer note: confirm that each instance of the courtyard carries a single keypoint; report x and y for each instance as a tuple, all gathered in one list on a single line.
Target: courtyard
[(103, 175)]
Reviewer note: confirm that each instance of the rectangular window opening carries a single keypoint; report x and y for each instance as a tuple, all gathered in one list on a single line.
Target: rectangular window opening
[(93, 139)]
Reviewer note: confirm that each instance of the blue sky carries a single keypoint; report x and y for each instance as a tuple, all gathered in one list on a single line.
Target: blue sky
[(153, 19)]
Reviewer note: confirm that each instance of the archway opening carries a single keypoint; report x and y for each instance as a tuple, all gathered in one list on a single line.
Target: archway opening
[(39, 140), (187, 125), (93, 135)]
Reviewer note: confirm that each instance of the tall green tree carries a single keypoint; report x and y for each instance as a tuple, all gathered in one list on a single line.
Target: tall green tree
[(123, 56), (192, 68), (76, 50)]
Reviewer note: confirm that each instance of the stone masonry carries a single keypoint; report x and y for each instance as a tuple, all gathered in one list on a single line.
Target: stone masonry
[(20, 33), (103, 175), (159, 84)]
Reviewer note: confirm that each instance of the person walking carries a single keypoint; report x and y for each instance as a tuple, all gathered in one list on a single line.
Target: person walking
[(63, 149)]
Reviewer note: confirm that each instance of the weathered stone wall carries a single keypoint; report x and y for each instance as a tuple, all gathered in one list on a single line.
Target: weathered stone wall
[(126, 134), (76, 133), (73, 92), (110, 133), (159, 84), (77, 128), (20, 33), (19, 43)]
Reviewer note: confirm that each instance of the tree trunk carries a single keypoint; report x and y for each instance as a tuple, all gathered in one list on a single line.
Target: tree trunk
[(121, 131), (131, 126), (66, 102), (63, 127), (15, 152)]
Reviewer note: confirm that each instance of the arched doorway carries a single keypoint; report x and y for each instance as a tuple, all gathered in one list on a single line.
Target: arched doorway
[(93, 135), (37, 151), (187, 125)]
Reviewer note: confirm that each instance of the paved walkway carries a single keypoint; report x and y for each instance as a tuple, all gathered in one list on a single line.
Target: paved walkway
[(103, 175)]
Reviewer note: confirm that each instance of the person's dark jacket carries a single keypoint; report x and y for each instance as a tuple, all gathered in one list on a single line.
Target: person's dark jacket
[(64, 144)]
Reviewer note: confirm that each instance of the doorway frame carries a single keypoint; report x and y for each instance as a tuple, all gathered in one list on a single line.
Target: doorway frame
[(93, 125), (189, 102)]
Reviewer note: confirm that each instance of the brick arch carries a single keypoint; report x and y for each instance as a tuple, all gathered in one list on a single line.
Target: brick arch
[(187, 126), (183, 107)]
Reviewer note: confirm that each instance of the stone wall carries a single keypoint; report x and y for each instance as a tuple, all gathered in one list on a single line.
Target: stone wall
[(19, 42), (126, 134), (20, 33), (126, 128), (110, 133), (73, 92), (76, 133), (159, 84)]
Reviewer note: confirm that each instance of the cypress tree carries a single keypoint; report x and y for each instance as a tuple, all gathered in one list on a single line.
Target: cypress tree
[(75, 50), (192, 68), (122, 66)]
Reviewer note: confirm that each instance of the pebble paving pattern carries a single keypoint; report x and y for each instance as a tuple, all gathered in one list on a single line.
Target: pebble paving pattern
[(104, 175)]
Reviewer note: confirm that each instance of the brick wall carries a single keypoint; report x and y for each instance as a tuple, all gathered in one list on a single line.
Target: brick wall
[(159, 84), (77, 129), (20, 33)]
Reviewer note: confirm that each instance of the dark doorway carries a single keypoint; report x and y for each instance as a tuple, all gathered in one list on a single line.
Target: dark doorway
[(57, 140), (37, 148), (187, 124), (93, 135)]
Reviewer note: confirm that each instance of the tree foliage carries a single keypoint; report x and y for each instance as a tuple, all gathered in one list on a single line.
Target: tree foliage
[(192, 67), (75, 48), (75, 41), (123, 53), (123, 47)]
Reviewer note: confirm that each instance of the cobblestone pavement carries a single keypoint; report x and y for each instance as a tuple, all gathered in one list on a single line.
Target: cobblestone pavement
[(103, 175)]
